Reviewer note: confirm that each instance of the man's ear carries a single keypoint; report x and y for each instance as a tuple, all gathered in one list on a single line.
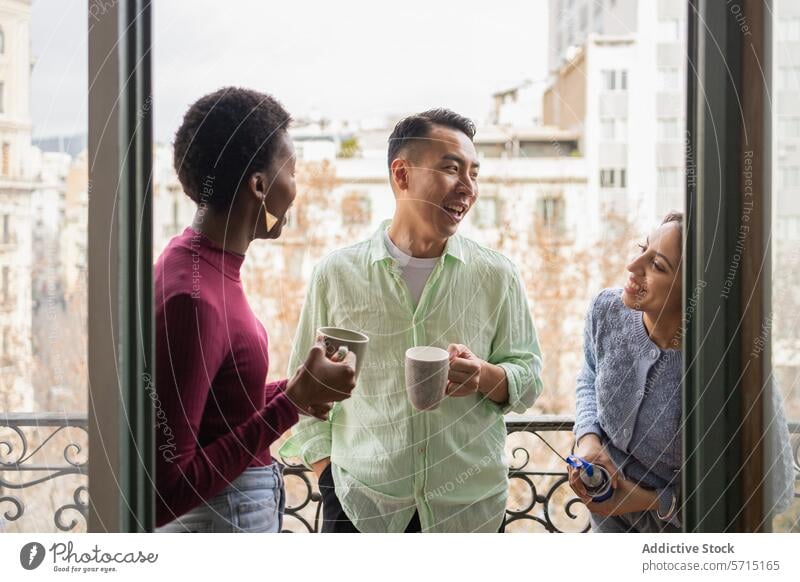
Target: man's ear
[(399, 171)]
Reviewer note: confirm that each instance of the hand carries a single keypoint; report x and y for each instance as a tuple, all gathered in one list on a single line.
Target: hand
[(627, 497), (320, 381), (319, 411), (320, 466), (465, 371), (591, 449)]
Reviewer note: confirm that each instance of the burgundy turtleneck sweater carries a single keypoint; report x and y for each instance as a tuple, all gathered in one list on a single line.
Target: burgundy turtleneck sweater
[(215, 414)]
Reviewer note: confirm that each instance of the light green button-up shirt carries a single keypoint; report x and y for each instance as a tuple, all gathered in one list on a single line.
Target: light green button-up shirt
[(448, 464)]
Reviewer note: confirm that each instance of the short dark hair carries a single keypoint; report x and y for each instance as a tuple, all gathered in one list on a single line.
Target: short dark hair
[(412, 128), (225, 137)]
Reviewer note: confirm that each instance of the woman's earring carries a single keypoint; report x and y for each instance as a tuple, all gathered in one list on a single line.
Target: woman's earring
[(269, 218)]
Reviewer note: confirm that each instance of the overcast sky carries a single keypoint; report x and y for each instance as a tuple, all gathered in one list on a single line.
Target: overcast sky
[(342, 60)]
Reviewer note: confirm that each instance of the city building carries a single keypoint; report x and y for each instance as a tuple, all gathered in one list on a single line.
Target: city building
[(74, 234), (17, 181), (48, 212), (786, 121), (618, 79)]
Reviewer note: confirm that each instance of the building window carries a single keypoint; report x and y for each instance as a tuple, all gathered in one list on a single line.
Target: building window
[(789, 29), (356, 209), (669, 30), (614, 80), (613, 129), (607, 132), (669, 178), (668, 128), (598, 16), (789, 78), (550, 211), (5, 355), (669, 79), (789, 127), (486, 211), (790, 176), (609, 80), (5, 283), (788, 227), (6, 234), (613, 178), (5, 162)]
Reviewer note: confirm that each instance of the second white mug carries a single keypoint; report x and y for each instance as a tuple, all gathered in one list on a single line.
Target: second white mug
[(427, 368)]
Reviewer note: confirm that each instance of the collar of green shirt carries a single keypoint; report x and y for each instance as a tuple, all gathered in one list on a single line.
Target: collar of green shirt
[(454, 247)]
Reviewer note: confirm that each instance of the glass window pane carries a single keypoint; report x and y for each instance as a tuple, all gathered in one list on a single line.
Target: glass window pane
[(782, 326), (43, 243)]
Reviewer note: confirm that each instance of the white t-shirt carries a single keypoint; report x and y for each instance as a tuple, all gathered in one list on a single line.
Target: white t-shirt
[(415, 271)]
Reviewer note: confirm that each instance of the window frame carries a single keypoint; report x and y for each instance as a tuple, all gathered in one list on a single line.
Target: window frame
[(729, 122)]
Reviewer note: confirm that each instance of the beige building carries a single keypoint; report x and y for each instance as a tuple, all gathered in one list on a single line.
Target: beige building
[(74, 235), (618, 79), (16, 185)]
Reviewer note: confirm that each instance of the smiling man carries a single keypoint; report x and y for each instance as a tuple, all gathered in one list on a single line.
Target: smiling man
[(382, 465)]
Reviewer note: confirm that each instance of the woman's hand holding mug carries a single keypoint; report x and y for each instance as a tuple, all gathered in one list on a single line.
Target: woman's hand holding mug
[(321, 381)]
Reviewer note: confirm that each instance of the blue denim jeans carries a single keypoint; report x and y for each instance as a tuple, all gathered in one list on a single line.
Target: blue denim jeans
[(253, 502), (634, 522)]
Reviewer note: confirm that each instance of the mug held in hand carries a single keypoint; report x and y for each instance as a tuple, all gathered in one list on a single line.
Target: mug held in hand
[(427, 368)]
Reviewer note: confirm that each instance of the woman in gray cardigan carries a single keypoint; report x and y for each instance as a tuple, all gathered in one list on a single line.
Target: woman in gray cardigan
[(628, 397)]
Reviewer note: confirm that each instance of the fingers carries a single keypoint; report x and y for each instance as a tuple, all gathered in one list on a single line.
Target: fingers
[(341, 377), (339, 354), (578, 487), (345, 356), (350, 360), (321, 408), (458, 389), (455, 350), (317, 350), (614, 477), (459, 377), (337, 395), (464, 365), (320, 411), (341, 390)]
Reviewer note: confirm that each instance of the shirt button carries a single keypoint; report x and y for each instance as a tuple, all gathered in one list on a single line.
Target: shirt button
[(654, 354), (626, 432), (421, 451), (640, 393)]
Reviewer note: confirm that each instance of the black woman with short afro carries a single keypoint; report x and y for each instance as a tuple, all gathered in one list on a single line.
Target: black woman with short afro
[(216, 416)]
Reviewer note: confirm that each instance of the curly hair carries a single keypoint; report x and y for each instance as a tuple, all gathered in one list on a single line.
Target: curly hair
[(414, 127), (225, 136)]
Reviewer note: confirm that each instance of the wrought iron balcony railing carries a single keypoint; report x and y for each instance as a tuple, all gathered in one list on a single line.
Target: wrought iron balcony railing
[(32, 447)]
